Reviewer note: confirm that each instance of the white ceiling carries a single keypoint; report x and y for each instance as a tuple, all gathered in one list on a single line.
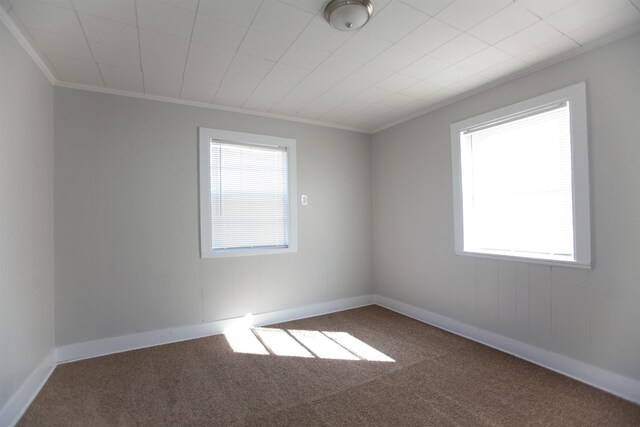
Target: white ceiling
[(281, 57)]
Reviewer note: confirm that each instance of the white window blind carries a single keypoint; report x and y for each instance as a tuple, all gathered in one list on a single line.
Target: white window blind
[(516, 184), (249, 196), (521, 181)]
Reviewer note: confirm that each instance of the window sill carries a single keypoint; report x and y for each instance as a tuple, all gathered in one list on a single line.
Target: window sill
[(539, 261), (247, 252)]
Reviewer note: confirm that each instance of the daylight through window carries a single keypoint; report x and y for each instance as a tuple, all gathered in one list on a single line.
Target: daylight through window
[(246, 205), (520, 185)]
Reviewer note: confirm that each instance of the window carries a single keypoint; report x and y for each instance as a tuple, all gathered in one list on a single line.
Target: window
[(521, 181), (247, 194)]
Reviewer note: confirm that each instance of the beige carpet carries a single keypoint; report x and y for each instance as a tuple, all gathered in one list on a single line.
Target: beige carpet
[(435, 378)]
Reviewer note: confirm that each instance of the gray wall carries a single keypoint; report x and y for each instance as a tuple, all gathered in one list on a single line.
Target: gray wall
[(26, 216), (126, 220), (593, 315)]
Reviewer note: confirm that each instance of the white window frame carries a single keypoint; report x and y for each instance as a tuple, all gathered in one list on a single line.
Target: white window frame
[(205, 137), (576, 96)]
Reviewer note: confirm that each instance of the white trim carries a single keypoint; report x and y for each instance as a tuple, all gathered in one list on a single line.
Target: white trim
[(526, 71), (541, 261), (206, 105), (122, 343), (8, 21), (50, 75), (18, 403), (26, 45), (610, 382), (206, 135), (618, 385), (575, 95)]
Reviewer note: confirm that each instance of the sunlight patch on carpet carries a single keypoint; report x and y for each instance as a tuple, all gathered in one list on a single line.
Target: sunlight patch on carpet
[(243, 340), (281, 343), (302, 343), (322, 346), (361, 349)]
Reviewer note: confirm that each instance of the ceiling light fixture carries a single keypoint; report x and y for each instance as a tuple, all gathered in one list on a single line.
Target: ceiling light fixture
[(348, 15)]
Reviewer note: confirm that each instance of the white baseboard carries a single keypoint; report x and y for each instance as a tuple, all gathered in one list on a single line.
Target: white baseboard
[(618, 385), (122, 343), (610, 382), (18, 403), (16, 406)]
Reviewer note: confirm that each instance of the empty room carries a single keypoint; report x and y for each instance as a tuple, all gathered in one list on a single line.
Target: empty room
[(319, 212)]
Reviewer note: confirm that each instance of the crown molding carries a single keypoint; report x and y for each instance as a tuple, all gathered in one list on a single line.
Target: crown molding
[(531, 69), (26, 45), (205, 105), (49, 74)]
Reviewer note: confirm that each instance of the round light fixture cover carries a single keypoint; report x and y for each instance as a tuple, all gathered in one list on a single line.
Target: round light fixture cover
[(348, 15)]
